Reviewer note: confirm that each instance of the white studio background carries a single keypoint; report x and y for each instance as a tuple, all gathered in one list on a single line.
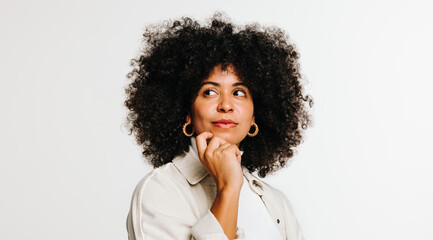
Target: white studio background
[(68, 167)]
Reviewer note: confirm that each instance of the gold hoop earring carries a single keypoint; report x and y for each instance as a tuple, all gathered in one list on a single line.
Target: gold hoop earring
[(184, 130), (255, 132)]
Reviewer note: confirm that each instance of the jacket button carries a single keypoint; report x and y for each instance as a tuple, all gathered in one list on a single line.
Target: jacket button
[(278, 221)]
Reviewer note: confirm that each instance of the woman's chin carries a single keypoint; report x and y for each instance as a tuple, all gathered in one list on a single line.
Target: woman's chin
[(229, 137)]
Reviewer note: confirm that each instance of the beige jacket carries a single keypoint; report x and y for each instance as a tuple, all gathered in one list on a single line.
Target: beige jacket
[(173, 202)]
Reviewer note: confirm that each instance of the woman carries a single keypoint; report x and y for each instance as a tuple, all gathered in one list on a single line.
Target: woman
[(210, 105)]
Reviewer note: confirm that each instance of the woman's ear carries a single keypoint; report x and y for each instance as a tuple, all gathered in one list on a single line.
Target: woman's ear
[(188, 118)]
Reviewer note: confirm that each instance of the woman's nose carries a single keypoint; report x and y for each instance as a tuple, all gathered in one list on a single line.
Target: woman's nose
[(225, 105)]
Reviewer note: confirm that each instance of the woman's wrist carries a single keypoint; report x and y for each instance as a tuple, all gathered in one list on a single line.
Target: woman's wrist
[(229, 189), (228, 192)]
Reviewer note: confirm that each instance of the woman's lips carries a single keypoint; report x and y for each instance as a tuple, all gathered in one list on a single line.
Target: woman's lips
[(225, 123)]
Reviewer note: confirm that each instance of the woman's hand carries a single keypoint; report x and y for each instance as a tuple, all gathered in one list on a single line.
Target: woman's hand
[(222, 160)]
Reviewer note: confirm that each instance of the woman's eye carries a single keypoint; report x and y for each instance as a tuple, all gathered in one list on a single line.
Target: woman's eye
[(209, 92), (239, 93)]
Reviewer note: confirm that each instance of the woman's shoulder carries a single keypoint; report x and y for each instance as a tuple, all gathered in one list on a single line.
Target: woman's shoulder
[(159, 180), (174, 177)]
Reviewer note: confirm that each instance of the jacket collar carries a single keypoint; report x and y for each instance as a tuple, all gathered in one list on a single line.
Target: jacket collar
[(190, 166), (255, 183)]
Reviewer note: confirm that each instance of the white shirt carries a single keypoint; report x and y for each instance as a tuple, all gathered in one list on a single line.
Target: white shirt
[(253, 218), (173, 202)]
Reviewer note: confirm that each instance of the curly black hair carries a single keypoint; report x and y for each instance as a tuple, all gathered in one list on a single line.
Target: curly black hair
[(178, 55)]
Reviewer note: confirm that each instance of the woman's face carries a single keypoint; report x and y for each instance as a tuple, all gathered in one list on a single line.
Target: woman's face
[(223, 106)]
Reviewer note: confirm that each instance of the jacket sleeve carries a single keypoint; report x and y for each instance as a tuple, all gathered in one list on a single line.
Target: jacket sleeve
[(160, 210), (208, 228)]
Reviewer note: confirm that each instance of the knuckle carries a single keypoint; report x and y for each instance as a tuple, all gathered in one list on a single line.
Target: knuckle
[(226, 153)]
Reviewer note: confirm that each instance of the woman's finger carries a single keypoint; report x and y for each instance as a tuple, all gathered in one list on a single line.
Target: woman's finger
[(233, 149), (223, 146), (214, 144), (201, 141)]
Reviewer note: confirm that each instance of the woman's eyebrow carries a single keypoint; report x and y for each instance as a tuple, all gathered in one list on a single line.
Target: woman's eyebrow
[(217, 84), (211, 83), (239, 84)]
